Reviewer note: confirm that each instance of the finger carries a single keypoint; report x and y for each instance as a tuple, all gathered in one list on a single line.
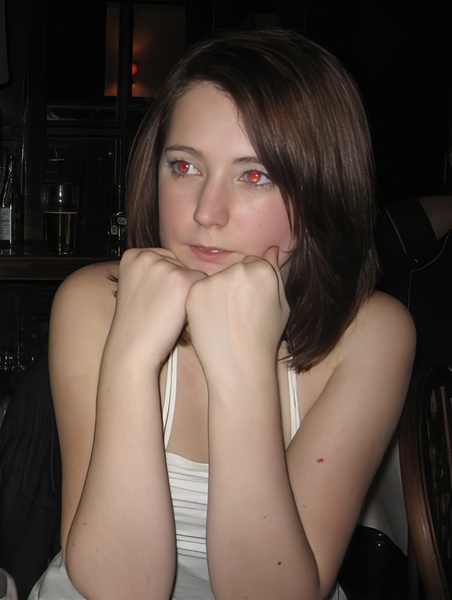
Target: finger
[(132, 254), (154, 255), (271, 255), (196, 275)]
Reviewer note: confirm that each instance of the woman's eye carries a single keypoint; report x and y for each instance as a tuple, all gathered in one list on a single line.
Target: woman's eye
[(183, 167), (255, 177)]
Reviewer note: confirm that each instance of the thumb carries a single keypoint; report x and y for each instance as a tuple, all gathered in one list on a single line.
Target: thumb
[(271, 255)]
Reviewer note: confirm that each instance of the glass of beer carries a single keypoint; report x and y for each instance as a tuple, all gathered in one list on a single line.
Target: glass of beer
[(60, 219)]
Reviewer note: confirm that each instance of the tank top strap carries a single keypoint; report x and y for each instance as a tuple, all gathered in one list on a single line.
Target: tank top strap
[(295, 420), (169, 402)]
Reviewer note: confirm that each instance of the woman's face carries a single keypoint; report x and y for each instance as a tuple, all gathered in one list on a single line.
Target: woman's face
[(217, 204)]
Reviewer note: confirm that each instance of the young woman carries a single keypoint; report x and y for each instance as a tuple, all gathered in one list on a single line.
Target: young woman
[(225, 393)]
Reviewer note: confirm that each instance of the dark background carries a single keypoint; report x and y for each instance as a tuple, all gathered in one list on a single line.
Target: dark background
[(399, 52)]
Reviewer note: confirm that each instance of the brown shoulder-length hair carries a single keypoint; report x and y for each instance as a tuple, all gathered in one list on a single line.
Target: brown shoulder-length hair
[(305, 119)]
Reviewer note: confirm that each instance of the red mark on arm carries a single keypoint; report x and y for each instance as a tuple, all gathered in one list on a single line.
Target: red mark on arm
[(320, 459)]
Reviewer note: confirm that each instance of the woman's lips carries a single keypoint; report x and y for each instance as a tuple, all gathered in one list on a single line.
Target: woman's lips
[(210, 253)]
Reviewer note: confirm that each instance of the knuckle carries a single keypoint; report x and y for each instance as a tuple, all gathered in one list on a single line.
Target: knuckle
[(196, 288), (179, 280), (128, 256), (265, 273)]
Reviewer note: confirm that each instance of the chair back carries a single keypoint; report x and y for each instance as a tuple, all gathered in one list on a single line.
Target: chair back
[(426, 467)]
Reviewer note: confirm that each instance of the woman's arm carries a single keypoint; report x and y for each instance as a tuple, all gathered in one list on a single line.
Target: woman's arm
[(279, 525), (341, 442), (255, 539), (106, 353)]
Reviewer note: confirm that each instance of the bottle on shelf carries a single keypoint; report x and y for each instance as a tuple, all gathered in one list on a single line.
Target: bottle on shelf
[(117, 233), (6, 207), (11, 210)]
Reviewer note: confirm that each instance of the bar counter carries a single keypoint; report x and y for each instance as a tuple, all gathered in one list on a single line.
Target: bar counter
[(43, 268)]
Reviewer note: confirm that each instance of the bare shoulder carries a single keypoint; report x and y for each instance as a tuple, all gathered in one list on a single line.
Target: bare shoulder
[(380, 341), (81, 317), (379, 349), (94, 279), (87, 291), (382, 320), (384, 306)]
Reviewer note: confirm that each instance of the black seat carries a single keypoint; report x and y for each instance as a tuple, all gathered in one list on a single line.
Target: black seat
[(374, 567), (30, 480)]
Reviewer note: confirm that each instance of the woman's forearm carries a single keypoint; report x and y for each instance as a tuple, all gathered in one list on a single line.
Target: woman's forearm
[(255, 539), (122, 540)]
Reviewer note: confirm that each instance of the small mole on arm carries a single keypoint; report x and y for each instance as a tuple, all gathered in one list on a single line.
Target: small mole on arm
[(279, 562), (320, 459)]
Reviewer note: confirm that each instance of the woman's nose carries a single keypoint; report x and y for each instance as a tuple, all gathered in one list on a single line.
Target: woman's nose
[(212, 206)]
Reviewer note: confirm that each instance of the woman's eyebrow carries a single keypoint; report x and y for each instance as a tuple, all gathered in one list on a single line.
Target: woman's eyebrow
[(198, 154), (187, 149), (248, 159)]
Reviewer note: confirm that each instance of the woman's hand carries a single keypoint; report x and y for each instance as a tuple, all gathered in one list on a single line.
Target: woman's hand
[(150, 311), (238, 314)]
